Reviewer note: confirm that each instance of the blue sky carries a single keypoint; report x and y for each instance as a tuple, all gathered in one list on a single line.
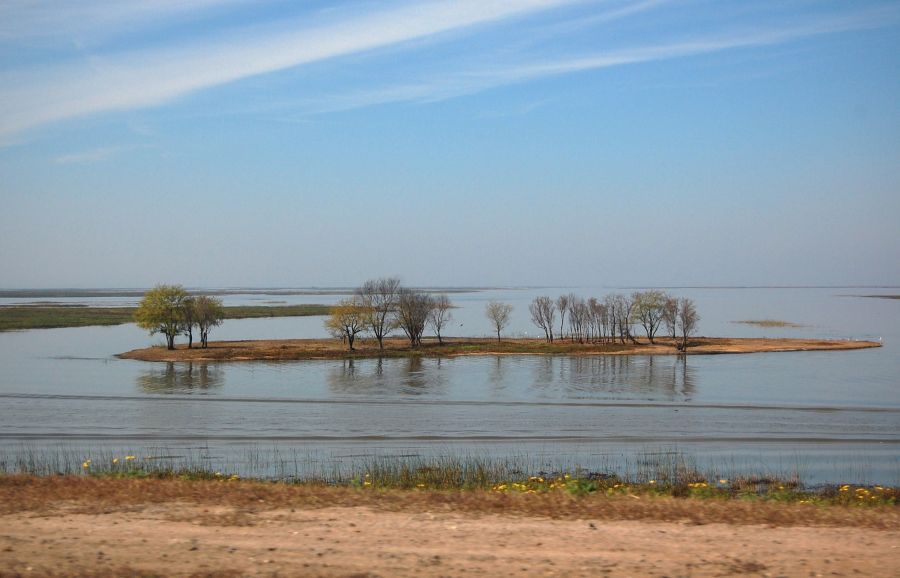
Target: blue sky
[(536, 142)]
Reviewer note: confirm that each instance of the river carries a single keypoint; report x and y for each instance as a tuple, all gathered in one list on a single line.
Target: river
[(826, 417)]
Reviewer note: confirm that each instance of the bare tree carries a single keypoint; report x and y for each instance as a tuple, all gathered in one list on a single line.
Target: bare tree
[(649, 308), (498, 313), (413, 309), (380, 297), (671, 310), (621, 307), (543, 314), (612, 318), (347, 318), (687, 321), (599, 318), (562, 304), (578, 317), (440, 314)]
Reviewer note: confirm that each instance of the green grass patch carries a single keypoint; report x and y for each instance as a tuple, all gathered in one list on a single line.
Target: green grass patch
[(20, 317)]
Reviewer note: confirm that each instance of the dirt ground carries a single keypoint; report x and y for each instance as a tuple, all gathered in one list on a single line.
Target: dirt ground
[(297, 349), (183, 540), (195, 529)]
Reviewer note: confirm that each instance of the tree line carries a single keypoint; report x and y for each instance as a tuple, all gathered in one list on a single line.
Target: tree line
[(383, 305), (614, 317), (170, 310)]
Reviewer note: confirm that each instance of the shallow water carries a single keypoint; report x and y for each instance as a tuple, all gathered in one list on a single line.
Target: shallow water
[(827, 416)]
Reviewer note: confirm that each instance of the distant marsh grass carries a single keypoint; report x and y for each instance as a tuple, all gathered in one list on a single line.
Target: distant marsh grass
[(770, 323), (46, 317)]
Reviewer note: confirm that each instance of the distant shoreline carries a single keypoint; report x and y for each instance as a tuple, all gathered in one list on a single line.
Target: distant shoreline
[(311, 349), (275, 291)]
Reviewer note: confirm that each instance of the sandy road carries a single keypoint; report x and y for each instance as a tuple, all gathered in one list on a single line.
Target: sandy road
[(184, 539)]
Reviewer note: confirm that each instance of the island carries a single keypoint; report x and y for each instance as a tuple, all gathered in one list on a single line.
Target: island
[(300, 349)]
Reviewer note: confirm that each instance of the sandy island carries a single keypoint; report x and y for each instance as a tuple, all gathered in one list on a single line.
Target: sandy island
[(298, 349), (62, 526)]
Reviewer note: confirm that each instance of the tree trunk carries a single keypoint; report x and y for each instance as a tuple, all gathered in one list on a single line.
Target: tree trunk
[(190, 339), (170, 341), (350, 338), (498, 336)]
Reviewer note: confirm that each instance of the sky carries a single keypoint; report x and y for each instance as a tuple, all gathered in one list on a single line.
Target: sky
[(224, 143)]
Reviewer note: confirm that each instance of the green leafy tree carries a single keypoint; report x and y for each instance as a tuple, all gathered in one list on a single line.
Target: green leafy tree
[(188, 319), (347, 318), (162, 311), (650, 309), (208, 312)]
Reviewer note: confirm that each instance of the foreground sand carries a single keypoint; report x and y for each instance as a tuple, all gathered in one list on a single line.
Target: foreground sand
[(296, 349), (116, 528)]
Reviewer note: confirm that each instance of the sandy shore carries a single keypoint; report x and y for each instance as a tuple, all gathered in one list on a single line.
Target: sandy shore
[(296, 349), (128, 527)]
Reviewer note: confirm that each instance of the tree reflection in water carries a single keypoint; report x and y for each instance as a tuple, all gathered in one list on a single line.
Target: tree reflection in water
[(380, 376), (181, 378), (669, 377)]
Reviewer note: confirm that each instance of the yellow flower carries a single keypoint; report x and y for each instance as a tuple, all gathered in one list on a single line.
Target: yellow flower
[(86, 464), (115, 460), (129, 458), (652, 481), (723, 481)]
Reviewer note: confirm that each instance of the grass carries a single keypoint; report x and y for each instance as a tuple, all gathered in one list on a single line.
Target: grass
[(670, 476), (46, 317)]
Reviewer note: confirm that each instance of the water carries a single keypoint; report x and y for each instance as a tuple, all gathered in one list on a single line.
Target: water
[(827, 416)]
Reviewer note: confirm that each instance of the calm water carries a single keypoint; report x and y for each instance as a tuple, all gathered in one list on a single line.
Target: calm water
[(829, 416)]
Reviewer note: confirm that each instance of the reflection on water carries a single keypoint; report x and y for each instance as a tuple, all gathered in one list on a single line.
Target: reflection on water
[(409, 376), (669, 378), (181, 378)]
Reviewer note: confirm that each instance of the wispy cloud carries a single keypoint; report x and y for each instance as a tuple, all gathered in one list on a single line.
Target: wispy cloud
[(470, 82), (90, 156), (147, 78), (150, 77), (30, 19)]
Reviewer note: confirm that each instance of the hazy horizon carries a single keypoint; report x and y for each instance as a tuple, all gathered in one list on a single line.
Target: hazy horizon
[(537, 143)]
